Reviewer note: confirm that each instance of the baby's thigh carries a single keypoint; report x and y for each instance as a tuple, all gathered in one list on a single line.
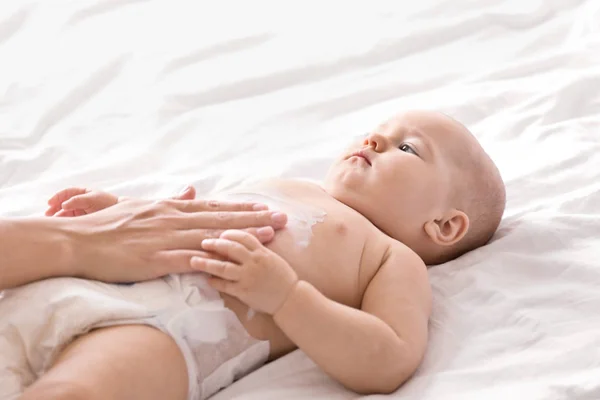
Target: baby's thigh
[(121, 362)]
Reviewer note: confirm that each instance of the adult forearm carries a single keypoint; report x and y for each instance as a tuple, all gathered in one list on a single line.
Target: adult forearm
[(32, 249), (355, 348)]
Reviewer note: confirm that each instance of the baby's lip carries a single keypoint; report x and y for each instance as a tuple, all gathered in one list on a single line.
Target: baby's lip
[(363, 154)]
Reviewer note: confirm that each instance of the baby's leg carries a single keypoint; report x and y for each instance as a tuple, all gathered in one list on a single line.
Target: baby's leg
[(122, 362)]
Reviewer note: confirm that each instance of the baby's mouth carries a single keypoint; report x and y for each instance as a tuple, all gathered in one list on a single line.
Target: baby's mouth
[(361, 154)]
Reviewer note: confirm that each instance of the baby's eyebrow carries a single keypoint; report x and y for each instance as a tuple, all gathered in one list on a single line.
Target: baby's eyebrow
[(413, 131), (418, 133)]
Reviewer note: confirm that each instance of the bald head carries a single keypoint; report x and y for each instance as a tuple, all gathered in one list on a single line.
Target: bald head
[(478, 190), (473, 194), (426, 183)]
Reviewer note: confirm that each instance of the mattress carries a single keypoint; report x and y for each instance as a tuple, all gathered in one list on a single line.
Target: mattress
[(142, 97)]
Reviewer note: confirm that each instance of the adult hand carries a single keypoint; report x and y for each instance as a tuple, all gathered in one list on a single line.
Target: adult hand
[(137, 240), (132, 240)]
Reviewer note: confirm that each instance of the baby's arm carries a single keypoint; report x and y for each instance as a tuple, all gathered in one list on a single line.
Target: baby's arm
[(373, 350)]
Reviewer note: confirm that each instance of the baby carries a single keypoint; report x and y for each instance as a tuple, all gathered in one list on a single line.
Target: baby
[(345, 281)]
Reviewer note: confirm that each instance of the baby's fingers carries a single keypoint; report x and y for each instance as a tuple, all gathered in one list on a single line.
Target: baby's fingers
[(222, 269), (90, 202), (66, 194), (52, 210), (230, 250), (70, 213), (83, 202), (188, 193), (178, 261), (246, 239)]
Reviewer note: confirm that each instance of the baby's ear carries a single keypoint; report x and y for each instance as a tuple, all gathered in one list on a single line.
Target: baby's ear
[(448, 230)]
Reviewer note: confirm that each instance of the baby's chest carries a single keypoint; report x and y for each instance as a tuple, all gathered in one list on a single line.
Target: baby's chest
[(323, 240), (330, 258)]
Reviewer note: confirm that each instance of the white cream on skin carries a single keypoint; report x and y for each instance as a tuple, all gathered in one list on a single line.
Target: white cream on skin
[(301, 217)]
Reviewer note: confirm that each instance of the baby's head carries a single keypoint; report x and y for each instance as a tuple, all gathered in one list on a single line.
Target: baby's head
[(423, 179)]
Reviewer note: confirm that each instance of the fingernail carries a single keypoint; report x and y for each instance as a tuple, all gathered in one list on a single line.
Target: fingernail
[(260, 207), (194, 262), (278, 218), (185, 189), (264, 231)]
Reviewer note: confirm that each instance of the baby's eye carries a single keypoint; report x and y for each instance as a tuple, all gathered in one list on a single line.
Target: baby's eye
[(407, 148)]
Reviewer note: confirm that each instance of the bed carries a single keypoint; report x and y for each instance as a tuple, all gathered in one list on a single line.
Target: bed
[(142, 97)]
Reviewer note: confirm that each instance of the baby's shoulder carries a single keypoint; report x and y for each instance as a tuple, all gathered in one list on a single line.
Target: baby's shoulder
[(396, 255), (398, 249)]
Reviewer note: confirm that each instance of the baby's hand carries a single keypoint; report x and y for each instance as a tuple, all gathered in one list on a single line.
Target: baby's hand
[(73, 202), (251, 272)]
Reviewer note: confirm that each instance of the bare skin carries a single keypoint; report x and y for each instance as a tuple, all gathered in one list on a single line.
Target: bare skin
[(351, 277), (356, 300), (114, 363), (133, 241)]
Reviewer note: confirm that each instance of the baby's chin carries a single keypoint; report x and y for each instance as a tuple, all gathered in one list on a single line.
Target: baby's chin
[(359, 202), (341, 182)]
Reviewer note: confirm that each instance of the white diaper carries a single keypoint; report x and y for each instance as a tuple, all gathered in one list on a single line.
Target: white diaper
[(38, 320)]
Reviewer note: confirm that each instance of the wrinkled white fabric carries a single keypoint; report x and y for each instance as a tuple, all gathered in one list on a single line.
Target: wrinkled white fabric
[(143, 97)]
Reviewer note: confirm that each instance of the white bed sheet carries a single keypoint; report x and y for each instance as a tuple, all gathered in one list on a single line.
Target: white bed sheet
[(141, 97)]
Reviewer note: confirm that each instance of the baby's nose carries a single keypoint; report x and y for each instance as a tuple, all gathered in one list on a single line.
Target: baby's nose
[(375, 141)]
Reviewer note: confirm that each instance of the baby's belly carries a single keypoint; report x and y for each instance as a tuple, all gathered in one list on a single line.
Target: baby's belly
[(322, 242), (331, 266), (262, 326), (293, 243)]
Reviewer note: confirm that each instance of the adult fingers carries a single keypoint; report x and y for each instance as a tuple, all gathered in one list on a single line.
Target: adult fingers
[(192, 239), (234, 220), (264, 234), (194, 206)]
